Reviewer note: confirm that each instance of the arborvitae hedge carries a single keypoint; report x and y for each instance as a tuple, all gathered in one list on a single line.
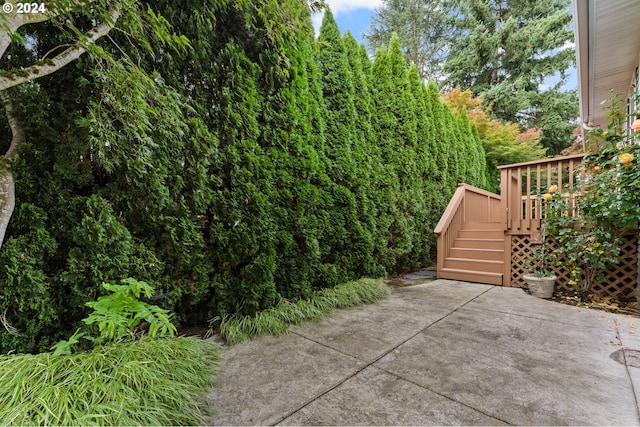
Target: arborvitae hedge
[(304, 165)]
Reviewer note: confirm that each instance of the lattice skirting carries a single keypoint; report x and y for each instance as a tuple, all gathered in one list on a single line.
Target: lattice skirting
[(621, 278)]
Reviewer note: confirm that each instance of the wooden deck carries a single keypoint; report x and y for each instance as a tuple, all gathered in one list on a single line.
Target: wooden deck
[(488, 238)]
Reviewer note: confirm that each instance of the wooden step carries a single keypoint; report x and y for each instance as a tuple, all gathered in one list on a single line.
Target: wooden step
[(465, 242), (477, 225), (476, 253), (470, 276), (481, 234), (470, 264)]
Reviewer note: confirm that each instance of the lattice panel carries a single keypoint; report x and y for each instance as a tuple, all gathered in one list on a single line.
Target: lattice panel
[(621, 278), (520, 259)]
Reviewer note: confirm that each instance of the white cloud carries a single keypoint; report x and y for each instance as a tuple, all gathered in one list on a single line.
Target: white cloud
[(344, 6), (567, 45), (316, 20), (340, 6)]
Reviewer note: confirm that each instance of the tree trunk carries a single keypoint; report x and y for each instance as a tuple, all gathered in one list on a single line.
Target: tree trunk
[(7, 201), (7, 183)]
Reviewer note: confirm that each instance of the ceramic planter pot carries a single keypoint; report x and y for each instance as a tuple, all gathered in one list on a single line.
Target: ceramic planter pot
[(541, 287)]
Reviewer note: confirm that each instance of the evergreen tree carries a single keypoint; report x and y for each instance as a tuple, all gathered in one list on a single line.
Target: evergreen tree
[(389, 243), (507, 51), (426, 147), (361, 89), (338, 95), (240, 224), (347, 246), (256, 165), (424, 28), (435, 111), (366, 151), (404, 153)]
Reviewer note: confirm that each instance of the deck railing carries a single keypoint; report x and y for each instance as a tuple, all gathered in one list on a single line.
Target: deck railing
[(468, 204), (522, 183)]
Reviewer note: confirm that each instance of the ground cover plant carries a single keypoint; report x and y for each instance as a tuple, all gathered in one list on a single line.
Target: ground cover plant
[(276, 320), (135, 374), (143, 382)]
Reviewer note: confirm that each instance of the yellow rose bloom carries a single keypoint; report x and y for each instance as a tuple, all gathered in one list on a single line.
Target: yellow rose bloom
[(626, 158), (553, 189), (546, 196), (596, 168)]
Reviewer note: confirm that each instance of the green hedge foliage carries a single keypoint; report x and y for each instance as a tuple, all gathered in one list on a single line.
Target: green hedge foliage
[(260, 164)]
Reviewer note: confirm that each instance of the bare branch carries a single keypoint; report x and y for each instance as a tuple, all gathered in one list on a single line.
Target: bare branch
[(66, 57), (3, 320)]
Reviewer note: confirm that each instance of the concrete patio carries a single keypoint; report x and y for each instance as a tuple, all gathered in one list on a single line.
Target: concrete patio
[(440, 353)]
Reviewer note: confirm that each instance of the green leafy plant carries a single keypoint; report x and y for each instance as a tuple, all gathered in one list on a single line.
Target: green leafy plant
[(588, 223), (143, 382), (119, 316)]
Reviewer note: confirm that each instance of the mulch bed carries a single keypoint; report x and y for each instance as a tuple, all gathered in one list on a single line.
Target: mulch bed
[(629, 307), (201, 331)]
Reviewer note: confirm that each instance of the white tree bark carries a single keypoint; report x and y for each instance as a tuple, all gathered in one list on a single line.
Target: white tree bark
[(7, 183), (7, 202)]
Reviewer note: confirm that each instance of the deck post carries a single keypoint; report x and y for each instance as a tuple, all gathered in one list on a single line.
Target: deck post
[(506, 274)]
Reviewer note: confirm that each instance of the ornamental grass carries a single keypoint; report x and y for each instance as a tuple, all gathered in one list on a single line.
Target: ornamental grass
[(145, 382), (276, 320)]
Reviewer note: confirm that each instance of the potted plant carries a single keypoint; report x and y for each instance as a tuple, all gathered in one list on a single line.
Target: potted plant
[(540, 280)]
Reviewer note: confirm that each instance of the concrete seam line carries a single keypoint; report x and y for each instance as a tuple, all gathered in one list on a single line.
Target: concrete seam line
[(444, 395), (559, 322), (370, 364), (626, 367)]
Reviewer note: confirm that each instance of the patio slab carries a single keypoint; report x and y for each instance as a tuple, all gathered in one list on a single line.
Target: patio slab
[(440, 353)]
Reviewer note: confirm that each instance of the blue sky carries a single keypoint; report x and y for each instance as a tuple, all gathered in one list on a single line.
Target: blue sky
[(355, 16), (352, 15)]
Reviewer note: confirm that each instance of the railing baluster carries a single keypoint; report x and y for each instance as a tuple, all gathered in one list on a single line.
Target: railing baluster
[(528, 199), (571, 184), (524, 207), (559, 166)]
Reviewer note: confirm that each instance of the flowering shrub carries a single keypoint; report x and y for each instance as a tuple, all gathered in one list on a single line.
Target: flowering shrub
[(580, 244), (606, 207), (612, 181)]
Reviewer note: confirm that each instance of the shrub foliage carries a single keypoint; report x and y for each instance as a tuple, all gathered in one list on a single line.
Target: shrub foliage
[(257, 165)]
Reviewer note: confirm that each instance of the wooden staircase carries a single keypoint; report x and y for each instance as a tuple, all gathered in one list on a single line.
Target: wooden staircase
[(477, 254), (471, 237), (481, 234)]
